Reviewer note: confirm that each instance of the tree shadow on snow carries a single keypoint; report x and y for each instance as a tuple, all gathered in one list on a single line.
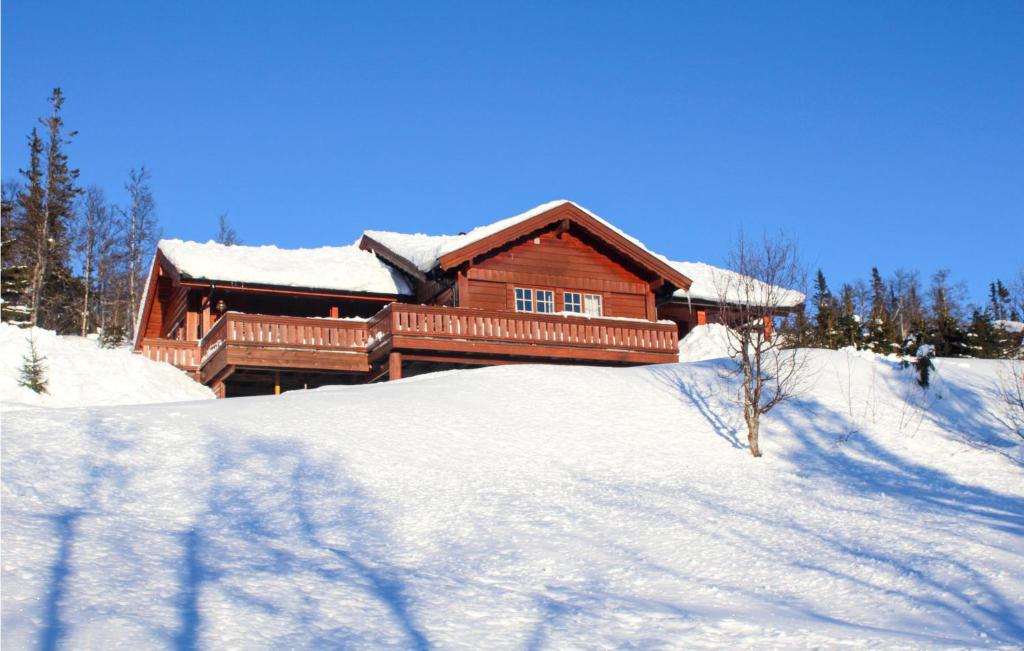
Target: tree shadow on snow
[(274, 522), (271, 512), (699, 395)]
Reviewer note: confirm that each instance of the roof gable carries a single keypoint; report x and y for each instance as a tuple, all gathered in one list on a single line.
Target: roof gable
[(426, 252)]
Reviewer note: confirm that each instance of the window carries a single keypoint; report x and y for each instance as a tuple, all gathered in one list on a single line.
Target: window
[(573, 302), (592, 304), (524, 300), (545, 301)]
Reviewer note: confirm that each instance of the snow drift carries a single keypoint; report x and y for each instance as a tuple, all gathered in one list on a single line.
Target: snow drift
[(523, 507), (80, 373), (703, 342)]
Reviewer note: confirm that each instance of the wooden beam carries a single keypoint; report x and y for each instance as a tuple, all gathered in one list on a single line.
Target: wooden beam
[(218, 381), (463, 290), (367, 243), (532, 351), (563, 227), (296, 291), (394, 366)]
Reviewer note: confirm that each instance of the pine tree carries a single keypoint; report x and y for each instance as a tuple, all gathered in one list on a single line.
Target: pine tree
[(826, 333), (1000, 305), (31, 228), (945, 331), (880, 335), (33, 369), (848, 322), (14, 276), (48, 207), (983, 338)]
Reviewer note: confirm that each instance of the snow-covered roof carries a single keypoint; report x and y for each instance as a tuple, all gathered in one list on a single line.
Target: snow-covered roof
[(711, 283), (424, 251), (338, 268), (1013, 327)]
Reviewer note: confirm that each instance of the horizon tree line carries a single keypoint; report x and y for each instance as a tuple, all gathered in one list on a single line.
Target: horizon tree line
[(899, 314)]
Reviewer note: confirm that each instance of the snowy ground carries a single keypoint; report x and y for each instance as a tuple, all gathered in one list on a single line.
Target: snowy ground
[(80, 373), (523, 507)]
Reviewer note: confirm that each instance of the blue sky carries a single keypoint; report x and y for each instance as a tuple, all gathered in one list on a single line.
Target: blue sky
[(888, 134)]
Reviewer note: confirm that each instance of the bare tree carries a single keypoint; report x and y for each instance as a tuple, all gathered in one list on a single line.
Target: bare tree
[(94, 240), (755, 295), (1017, 296), (908, 308), (226, 233), (1010, 390), (140, 234)]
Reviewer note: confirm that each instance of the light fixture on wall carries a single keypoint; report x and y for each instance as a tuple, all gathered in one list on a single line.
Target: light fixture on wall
[(222, 306)]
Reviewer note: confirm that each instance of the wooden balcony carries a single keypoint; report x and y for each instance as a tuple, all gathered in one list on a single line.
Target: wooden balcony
[(419, 328), (417, 333), (283, 342)]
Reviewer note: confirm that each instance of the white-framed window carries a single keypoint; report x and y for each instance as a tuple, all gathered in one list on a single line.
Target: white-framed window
[(573, 302), (545, 301), (592, 304), (524, 300)]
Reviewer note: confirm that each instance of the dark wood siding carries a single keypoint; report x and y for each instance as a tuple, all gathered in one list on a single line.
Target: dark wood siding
[(558, 262), (487, 295)]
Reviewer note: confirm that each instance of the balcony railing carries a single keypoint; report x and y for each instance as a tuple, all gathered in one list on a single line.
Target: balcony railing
[(183, 354), (285, 332), (419, 323), (398, 319)]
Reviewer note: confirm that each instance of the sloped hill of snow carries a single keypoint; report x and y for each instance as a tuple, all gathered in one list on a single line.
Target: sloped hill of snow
[(80, 373), (523, 507)]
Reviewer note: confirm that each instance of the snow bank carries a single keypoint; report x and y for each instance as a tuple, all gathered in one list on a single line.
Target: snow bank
[(704, 342), (711, 283), (523, 507), (80, 373), (341, 268)]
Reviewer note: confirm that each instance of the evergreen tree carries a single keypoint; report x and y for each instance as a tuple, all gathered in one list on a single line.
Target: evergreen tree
[(826, 333), (1000, 305), (848, 322), (924, 365), (14, 276), (798, 329), (984, 339), (945, 331), (879, 332), (48, 207), (33, 370)]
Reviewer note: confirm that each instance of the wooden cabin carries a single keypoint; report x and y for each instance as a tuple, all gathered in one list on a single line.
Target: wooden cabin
[(556, 284)]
